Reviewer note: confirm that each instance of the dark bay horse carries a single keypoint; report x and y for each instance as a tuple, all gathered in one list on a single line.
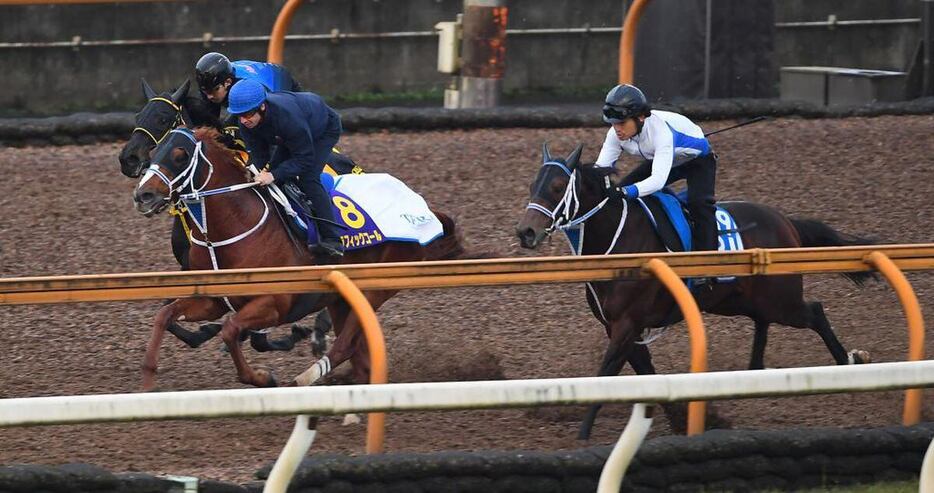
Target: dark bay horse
[(244, 233), (162, 113), (565, 191)]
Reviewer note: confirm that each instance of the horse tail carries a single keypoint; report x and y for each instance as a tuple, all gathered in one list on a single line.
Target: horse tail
[(814, 233), (449, 245)]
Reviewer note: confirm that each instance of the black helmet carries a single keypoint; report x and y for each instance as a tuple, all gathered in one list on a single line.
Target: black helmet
[(624, 102), (212, 70)]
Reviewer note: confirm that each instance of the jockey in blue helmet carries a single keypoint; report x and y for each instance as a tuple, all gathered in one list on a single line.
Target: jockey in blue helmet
[(304, 129), (672, 148)]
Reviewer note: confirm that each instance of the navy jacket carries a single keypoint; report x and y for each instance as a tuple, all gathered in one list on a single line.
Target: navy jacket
[(293, 120)]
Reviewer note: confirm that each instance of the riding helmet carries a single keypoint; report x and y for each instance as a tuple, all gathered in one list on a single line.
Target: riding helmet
[(246, 95), (211, 70), (624, 102)]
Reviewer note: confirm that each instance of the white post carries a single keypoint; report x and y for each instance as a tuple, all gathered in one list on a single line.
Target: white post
[(636, 429), (292, 454), (926, 483)]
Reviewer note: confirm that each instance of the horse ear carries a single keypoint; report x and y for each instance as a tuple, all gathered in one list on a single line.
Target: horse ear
[(181, 92), (575, 156), (546, 156), (147, 90)]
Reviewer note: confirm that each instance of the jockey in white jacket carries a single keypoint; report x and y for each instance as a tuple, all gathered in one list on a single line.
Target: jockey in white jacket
[(672, 148)]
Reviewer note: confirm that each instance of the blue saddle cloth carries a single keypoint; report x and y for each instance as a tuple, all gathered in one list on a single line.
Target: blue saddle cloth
[(360, 231), (673, 206)]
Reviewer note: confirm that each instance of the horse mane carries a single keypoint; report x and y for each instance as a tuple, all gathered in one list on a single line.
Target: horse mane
[(202, 111), (214, 148), (593, 174)]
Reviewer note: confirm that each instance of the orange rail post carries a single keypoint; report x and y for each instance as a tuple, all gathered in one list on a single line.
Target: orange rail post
[(627, 40), (376, 422), (906, 295), (692, 316), (277, 37)]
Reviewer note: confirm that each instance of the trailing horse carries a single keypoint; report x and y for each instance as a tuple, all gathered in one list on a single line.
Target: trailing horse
[(569, 196), (237, 228)]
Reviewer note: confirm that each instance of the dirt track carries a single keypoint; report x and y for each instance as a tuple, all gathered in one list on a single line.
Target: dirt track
[(67, 210)]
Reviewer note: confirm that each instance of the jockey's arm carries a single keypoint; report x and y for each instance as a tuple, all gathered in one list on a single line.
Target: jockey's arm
[(257, 147), (661, 135), (610, 151), (301, 146)]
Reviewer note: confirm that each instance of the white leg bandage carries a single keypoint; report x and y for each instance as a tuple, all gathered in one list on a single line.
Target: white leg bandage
[(321, 368)]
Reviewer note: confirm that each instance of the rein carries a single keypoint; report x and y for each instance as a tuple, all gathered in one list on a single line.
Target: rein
[(179, 120)]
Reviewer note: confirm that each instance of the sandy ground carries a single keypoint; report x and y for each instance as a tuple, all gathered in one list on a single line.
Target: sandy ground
[(67, 210)]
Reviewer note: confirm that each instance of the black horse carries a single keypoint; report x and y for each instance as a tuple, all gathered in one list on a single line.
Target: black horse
[(627, 307), (161, 114)]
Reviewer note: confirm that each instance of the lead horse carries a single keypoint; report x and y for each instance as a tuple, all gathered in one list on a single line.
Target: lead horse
[(162, 113), (244, 233), (565, 193)]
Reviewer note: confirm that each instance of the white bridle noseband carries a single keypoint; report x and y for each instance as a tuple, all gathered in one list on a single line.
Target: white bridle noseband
[(564, 215)]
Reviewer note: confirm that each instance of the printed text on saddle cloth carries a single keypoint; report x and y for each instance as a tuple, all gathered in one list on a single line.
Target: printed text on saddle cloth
[(377, 207)]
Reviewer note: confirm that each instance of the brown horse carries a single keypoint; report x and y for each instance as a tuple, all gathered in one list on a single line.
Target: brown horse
[(245, 233), (565, 192)]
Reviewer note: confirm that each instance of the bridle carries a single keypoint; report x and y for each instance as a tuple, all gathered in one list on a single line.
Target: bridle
[(179, 120), (564, 215)]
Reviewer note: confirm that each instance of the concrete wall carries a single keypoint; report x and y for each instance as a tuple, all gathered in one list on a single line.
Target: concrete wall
[(884, 47), (61, 80), (43, 81)]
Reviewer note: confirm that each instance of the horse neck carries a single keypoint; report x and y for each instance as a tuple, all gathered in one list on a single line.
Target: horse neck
[(230, 214), (638, 234)]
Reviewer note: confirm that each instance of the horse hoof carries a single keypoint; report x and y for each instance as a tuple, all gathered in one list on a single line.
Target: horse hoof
[(859, 357), (351, 419), (268, 376)]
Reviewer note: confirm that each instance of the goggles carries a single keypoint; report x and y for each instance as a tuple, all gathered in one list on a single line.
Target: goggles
[(613, 113)]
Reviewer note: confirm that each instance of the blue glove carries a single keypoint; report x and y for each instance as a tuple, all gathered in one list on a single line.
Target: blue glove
[(618, 192)]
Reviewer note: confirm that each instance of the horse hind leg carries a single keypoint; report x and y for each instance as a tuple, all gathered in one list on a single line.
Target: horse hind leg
[(815, 319)]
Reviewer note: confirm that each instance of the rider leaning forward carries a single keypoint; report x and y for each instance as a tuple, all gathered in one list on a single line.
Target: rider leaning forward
[(216, 74), (672, 148), (304, 129)]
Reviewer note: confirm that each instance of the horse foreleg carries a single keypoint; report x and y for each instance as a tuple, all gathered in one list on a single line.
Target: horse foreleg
[(759, 338), (191, 338), (617, 351), (193, 309), (259, 312)]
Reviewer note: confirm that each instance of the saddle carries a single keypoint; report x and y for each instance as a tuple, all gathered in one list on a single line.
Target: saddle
[(669, 215)]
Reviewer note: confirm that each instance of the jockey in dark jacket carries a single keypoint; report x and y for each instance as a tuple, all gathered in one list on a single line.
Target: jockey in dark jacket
[(304, 129), (216, 74)]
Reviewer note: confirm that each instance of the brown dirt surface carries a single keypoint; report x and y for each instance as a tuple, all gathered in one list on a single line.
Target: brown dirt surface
[(67, 210)]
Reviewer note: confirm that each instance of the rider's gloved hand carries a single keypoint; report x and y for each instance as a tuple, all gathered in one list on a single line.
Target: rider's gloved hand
[(264, 178), (616, 192)]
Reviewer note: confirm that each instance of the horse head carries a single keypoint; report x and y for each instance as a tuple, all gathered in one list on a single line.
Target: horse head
[(550, 204), (161, 114), (187, 162), (171, 163)]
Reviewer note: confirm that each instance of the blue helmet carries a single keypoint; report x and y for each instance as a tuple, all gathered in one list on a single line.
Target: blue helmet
[(245, 96)]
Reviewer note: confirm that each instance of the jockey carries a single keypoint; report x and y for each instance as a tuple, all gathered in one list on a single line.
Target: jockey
[(216, 74), (672, 148), (304, 129)]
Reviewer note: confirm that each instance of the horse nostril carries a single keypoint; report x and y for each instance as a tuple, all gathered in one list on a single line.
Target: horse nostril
[(145, 197)]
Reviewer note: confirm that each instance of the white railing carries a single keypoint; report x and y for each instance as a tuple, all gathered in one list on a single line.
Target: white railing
[(472, 395)]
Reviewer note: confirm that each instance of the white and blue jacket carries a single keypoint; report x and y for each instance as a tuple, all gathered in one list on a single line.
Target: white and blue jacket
[(667, 139)]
